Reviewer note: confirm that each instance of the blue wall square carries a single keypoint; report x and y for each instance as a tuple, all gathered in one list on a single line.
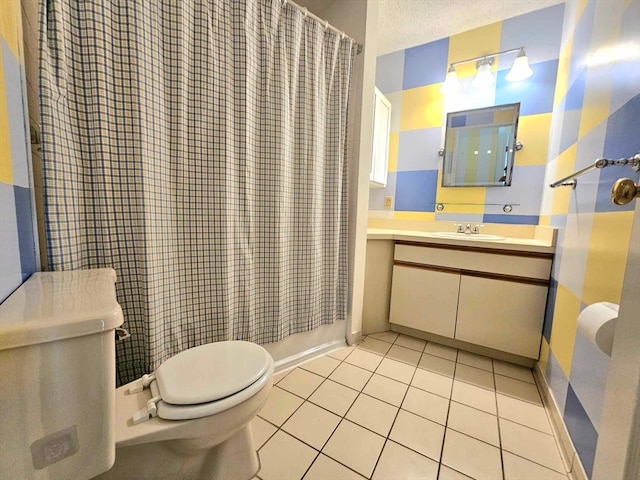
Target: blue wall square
[(425, 64), (512, 219), (24, 217), (539, 32), (581, 42), (389, 72), (583, 435), (575, 95), (621, 140), (10, 269), (535, 94), (557, 381), (418, 149), (416, 190)]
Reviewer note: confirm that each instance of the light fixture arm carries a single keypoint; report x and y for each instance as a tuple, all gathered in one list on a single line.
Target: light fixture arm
[(483, 57)]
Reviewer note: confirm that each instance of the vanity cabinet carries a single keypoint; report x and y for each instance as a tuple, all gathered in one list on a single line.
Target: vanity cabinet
[(486, 297), (381, 129)]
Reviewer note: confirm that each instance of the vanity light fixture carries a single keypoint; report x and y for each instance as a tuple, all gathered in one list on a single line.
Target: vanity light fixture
[(484, 78)]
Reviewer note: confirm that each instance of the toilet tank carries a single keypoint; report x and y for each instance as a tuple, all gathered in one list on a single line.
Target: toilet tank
[(57, 376)]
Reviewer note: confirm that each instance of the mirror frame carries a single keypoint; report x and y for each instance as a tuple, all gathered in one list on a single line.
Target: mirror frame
[(512, 147)]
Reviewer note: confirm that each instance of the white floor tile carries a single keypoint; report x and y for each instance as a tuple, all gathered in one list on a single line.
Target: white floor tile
[(341, 353), (432, 382), (321, 366), (447, 473), (474, 376), (471, 457), (285, 458), (525, 413), (386, 389), (396, 370), (411, 342), (476, 397), (518, 389), (325, 468), (334, 397), (405, 355), (367, 360), (437, 365), (262, 431), (531, 444), (311, 424), (517, 468), (374, 345), (427, 405), (387, 336), (398, 462), (351, 376), (373, 414), (513, 371), (280, 405), (441, 351), (355, 447), (419, 434), (474, 423), (279, 376), (301, 382), (474, 360)]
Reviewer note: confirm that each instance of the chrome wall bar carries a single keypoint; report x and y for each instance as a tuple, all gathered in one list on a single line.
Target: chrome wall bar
[(599, 163)]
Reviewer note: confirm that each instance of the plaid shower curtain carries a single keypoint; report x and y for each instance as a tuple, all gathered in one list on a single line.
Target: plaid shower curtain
[(199, 149)]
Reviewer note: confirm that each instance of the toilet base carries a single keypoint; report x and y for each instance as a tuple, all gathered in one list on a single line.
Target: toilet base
[(233, 459)]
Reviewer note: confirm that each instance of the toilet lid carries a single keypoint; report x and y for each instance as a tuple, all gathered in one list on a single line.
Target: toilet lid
[(211, 372)]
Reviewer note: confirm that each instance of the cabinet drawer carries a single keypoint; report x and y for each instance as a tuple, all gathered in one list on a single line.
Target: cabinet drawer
[(492, 263)]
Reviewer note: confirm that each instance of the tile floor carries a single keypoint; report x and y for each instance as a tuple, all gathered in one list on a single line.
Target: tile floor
[(397, 407)]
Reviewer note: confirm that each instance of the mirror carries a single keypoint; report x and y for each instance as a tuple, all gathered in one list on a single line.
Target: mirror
[(479, 147)]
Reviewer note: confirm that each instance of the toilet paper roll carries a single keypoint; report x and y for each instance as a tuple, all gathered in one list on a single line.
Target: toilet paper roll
[(597, 323)]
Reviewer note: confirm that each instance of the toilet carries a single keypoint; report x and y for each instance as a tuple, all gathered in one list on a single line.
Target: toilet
[(187, 420)]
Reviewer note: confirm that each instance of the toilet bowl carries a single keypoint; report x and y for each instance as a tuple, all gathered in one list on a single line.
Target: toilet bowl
[(209, 395), (187, 420)]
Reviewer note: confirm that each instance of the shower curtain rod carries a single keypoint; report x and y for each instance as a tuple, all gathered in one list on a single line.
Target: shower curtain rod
[(326, 23)]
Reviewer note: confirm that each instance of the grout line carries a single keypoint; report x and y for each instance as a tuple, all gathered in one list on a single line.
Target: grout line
[(495, 397)]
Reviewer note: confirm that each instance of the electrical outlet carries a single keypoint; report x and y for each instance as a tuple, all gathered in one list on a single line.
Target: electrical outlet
[(388, 202)]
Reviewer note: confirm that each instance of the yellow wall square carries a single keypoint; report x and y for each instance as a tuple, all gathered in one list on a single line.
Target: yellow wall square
[(562, 78), (471, 198), (10, 25), (414, 216), (563, 331), (533, 132), (394, 142), (474, 43), (6, 168), (422, 107), (564, 167), (607, 259), (595, 107)]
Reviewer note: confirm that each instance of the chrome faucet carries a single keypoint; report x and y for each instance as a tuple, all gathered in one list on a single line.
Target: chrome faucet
[(468, 230)]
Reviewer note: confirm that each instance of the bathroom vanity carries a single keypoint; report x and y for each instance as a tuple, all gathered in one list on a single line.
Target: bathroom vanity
[(487, 291)]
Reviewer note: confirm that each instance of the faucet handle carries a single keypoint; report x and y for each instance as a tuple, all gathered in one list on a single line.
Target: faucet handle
[(460, 227), (476, 229)]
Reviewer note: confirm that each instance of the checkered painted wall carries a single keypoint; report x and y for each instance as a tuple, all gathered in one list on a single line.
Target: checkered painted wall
[(17, 246), (411, 80), (596, 114)]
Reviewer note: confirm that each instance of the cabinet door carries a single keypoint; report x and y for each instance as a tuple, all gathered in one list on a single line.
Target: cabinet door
[(381, 128), (499, 314), (424, 299)]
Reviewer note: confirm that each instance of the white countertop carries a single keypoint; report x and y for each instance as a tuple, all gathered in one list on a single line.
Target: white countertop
[(539, 245)]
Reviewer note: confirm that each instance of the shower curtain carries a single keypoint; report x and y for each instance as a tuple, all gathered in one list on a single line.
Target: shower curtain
[(199, 149)]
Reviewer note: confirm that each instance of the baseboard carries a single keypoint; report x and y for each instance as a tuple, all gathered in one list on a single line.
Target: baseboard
[(570, 456), (317, 351)]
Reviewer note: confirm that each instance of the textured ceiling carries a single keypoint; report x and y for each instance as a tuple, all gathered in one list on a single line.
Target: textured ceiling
[(407, 23)]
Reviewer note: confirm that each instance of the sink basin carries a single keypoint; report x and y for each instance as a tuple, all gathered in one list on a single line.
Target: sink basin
[(479, 237)]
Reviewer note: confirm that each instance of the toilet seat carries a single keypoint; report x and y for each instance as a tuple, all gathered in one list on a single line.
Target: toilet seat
[(205, 380)]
